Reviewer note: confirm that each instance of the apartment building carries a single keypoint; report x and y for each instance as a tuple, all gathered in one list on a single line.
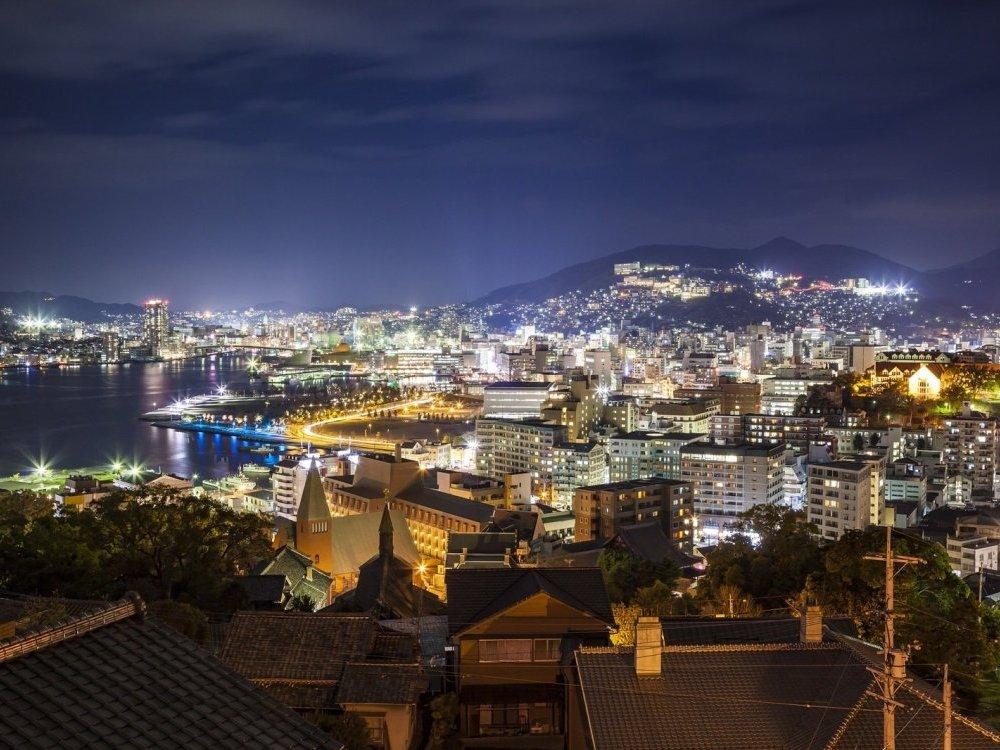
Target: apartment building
[(969, 441), (513, 446), (844, 496), (575, 465), (601, 510), (728, 479), (647, 453)]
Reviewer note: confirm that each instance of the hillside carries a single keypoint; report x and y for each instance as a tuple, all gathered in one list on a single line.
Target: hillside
[(780, 254), (63, 306)]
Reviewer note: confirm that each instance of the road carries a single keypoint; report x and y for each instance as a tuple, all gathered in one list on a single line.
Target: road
[(309, 432)]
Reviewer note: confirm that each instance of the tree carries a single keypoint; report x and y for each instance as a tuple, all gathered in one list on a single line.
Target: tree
[(347, 728), (858, 442), (186, 619), (444, 722), (625, 573), (941, 619), (164, 547), (302, 603), (730, 601), (771, 557), (168, 547)]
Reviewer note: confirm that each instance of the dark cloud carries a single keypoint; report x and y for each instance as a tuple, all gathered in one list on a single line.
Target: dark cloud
[(434, 150)]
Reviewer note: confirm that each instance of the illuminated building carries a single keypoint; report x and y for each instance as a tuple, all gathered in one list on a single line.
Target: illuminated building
[(844, 496), (156, 326), (647, 453), (514, 399), (513, 446), (728, 480), (575, 465), (111, 346), (577, 406), (602, 509), (924, 383), (969, 441)]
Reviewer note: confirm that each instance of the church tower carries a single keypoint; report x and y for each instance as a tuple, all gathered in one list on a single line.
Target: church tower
[(312, 524)]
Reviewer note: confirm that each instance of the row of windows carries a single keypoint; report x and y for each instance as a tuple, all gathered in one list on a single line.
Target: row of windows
[(519, 650)]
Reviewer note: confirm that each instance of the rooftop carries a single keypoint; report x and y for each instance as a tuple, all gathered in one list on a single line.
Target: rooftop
[(115, 678)]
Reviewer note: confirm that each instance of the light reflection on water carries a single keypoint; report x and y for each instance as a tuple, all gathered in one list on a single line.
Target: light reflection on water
[(86, 416)]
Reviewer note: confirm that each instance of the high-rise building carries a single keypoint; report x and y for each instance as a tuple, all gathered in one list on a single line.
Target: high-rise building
[(969, 440), (513, 446), (577, 406), (156, 326), (575, 465), (111, 346), (729, 479), (844, 496)]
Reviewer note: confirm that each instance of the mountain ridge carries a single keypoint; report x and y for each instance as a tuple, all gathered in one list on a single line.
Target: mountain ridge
[(28, 302), (780, 254)]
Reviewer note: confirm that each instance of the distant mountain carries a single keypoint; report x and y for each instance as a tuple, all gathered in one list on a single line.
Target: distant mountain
[(63, 306), (780, 254), (973, 282)]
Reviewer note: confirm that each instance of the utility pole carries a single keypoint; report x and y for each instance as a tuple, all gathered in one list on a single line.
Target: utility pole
[(893, 670), (946, 691)]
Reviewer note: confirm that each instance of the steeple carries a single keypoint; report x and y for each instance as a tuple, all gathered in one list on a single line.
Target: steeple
[(385, 535), (312, 504)]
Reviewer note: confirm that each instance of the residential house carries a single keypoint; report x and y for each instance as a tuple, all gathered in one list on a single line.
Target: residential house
[(514, 630)]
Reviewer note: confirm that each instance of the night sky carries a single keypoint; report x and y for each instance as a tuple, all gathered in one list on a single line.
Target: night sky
[(225, 153)]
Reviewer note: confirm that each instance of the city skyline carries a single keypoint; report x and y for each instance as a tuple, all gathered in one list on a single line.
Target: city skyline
[(315, 150)]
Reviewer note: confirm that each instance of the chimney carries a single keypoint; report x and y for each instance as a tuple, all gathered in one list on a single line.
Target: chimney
[(399, 452), (648, 646), (811, 624)]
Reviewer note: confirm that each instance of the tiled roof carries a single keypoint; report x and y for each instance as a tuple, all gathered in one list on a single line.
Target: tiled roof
[(263, 589), (443, 502), (648, 541), (477, 593), (495, 543), (381, 683), (295, 645), (354, 540), (300, 657), (725, 700), (690, 631), (778, 695), (114, 678)]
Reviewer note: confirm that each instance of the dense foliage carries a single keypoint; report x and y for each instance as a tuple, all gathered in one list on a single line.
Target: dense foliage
[(165, 547), (941, 619), (347, 728)]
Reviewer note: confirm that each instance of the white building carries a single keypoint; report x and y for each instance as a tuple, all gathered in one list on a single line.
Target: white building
[(515, 399)]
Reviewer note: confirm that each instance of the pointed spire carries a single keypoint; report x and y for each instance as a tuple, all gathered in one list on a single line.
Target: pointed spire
[(385, 534), (312, 504)]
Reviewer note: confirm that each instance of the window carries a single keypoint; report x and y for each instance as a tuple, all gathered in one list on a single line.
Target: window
[(547, 649), (509, 650), (376, 730)]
